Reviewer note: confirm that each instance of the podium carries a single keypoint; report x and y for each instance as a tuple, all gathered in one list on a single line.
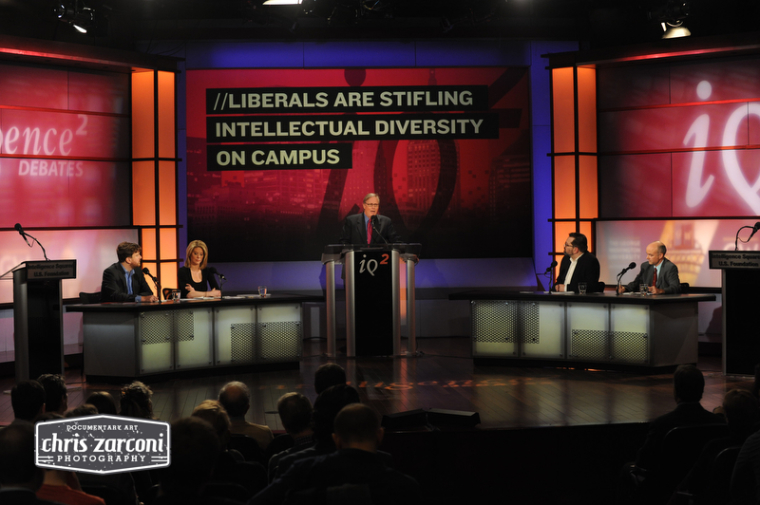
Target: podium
[(740, 278), (38, 315), (373, 300)]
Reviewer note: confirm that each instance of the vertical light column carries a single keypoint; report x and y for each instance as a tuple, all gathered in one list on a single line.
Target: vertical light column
[(574, 153), (154, 172)]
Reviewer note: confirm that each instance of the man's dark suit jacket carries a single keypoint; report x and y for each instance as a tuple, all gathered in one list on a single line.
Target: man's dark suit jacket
[(355, 231), (587, 270), (667, 279), (114, 288)]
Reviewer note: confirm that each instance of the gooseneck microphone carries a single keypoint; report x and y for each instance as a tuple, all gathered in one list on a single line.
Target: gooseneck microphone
[(20, 229), (549, 268), (629, 267), (213, 271), (26, 236), (373, 220), (147, 272), (754, 230)]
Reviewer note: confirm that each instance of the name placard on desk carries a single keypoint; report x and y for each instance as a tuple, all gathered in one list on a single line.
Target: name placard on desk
[(720, 260), (56, 269)]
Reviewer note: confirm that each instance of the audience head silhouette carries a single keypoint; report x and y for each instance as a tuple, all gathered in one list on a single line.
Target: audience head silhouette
[(56, 396), (329, 374), (213, 413), (195, 449), (136, 401), (327, 406), (103, 401), (688, 384), (235, 397), (17, 467), (295, 412), (27, 400), (357, 426)]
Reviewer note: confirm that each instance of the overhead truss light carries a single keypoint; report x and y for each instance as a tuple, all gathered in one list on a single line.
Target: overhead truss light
[(671, 16), (82, 17)]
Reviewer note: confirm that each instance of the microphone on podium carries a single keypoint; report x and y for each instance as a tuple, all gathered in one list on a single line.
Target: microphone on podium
[(754, 230), (20, 229), (549, 268), (373, 220), (629, 267), (147, 272)]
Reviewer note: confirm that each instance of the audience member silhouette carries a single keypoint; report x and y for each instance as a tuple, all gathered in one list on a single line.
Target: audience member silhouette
[(195, 450), (354, 472), (27, 400), (742, 413), (136, 401), (20, 478), (641, 482), (236, 399), (103, 401), (745, 481), (295, 414), (56, 395), (329, 374), (326, 407)]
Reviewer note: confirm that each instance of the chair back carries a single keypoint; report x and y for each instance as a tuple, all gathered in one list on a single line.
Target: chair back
[(167, 292), (682, 446), (86, 298), (720, 475)]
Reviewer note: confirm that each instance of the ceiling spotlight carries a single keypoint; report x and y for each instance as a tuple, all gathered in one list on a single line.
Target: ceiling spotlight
[(674, 30), (671, 15), (82, 17)]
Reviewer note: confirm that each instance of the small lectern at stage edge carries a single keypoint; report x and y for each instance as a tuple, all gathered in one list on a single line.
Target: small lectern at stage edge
[(739, 284), (38, 315), (373, 311)]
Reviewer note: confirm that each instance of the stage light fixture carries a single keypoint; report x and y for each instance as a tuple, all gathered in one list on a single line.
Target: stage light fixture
[(82, 17), (671, 16)]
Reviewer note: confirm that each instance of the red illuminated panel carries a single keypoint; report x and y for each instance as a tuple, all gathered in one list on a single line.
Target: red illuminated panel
[(633, 86), (716, 183), (96, 92), (674, 128), (63, 135), (715, 81), (22, 86), (64, 193), (635, 186)]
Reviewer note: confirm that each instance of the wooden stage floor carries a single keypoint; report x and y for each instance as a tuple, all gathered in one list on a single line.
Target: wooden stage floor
[(444, 377)]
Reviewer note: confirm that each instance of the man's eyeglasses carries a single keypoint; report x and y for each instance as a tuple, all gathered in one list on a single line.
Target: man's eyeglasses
[(372, 204), (569, 245)]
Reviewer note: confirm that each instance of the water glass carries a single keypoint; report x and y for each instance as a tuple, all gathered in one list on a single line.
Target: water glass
[(582, 288), (175, 295), (644, 289), (263, 291)]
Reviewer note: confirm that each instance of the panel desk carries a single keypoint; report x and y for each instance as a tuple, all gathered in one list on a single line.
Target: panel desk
[(597, 330), (128, 340)]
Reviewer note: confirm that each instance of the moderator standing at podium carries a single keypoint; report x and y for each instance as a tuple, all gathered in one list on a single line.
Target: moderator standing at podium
[(194, 279), (369, 227), (124, 281)]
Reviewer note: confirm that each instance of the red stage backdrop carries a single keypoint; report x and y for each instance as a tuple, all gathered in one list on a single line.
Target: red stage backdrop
[(278, 158)]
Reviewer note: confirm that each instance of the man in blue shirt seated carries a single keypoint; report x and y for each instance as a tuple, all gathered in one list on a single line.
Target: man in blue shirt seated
[(124, 281)]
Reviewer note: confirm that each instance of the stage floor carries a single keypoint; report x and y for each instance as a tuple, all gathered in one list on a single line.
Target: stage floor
[(444, 377)]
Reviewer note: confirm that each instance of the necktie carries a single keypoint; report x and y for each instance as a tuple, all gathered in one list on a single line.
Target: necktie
[(654, 278), (369, 231)]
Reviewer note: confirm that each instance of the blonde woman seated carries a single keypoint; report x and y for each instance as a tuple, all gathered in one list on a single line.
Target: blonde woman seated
[(194, 279)]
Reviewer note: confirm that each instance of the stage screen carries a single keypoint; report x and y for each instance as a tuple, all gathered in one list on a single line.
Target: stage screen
[(680, 140), (619, 243), (64, 148), (276, 159)]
